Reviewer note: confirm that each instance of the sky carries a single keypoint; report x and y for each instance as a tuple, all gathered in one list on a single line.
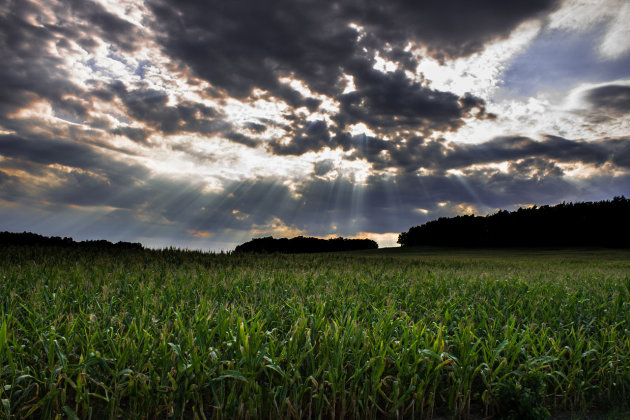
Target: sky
[(202, 124)]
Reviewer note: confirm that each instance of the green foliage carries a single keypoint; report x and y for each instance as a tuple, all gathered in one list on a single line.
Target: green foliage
[(523, 398), (173, 334)]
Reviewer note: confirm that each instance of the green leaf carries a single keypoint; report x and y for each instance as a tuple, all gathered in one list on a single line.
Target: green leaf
[(275, 368), (70, 413), (231, 374)]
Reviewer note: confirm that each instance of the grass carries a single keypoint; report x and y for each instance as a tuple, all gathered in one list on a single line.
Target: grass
[(395, 333)]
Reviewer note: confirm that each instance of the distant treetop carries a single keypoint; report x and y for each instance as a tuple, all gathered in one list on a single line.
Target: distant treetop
[(602, 223), (301, 245), (31, 239)]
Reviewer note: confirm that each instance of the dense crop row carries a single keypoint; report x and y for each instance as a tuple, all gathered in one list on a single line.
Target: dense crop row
[(166, 333)]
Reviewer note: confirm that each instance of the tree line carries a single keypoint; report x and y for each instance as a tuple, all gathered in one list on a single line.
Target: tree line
[(33, 239), (601, 223), (302, 245)]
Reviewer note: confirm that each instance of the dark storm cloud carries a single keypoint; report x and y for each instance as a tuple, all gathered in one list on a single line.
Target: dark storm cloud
[(240, 206), (238, 47), (241, 139), (87, 189), (29, 70), (150, 106), (383, 203), (388, 203), (241, 45), (451, 28), (92, 175), (322, 167), (47, 151), (413, 153), (386, 101), (439, 156), (620, 148), (11, 188), (512, 148), (536, 168), (615, 98), (96, 20), (256, 127), (83, 21), (309, 136), (138, 135)]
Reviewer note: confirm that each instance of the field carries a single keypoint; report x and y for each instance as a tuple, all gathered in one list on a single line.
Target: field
[(380, 334)]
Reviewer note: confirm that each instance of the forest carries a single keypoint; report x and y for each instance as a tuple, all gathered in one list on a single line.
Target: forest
[(597, 224), (33, 239), (302, 245)]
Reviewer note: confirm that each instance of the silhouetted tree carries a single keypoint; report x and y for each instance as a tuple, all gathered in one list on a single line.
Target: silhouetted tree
[(33, 239), (302, 245), (602, 223)]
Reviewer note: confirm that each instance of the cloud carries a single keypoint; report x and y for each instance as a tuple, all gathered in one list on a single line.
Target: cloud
[(611, 15), (512, 148), (453, 28), (48, 151), (322, 167), (390, 102), (612, 98), (28, 71), (559, 59), (536, 168), (35, 38), (242, 45), (308, 136), (200, 234), (83, 19), (136, 134), (65, 172), (245, 45), (150, 106), (414, 153)]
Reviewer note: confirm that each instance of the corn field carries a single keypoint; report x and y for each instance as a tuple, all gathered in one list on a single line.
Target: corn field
[(416, 334)]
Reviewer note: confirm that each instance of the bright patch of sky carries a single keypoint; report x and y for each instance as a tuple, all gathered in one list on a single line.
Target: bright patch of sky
[(559, 59), (480, 73)]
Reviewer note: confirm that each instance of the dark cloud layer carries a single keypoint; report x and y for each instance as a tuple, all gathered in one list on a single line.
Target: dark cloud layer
[(48, 151), (382, 203), (379, 205), (451, 28), (242, 45), (150, 106), (86, 20), (611, 98), (411, 154), (28, 71), (390, 101)]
